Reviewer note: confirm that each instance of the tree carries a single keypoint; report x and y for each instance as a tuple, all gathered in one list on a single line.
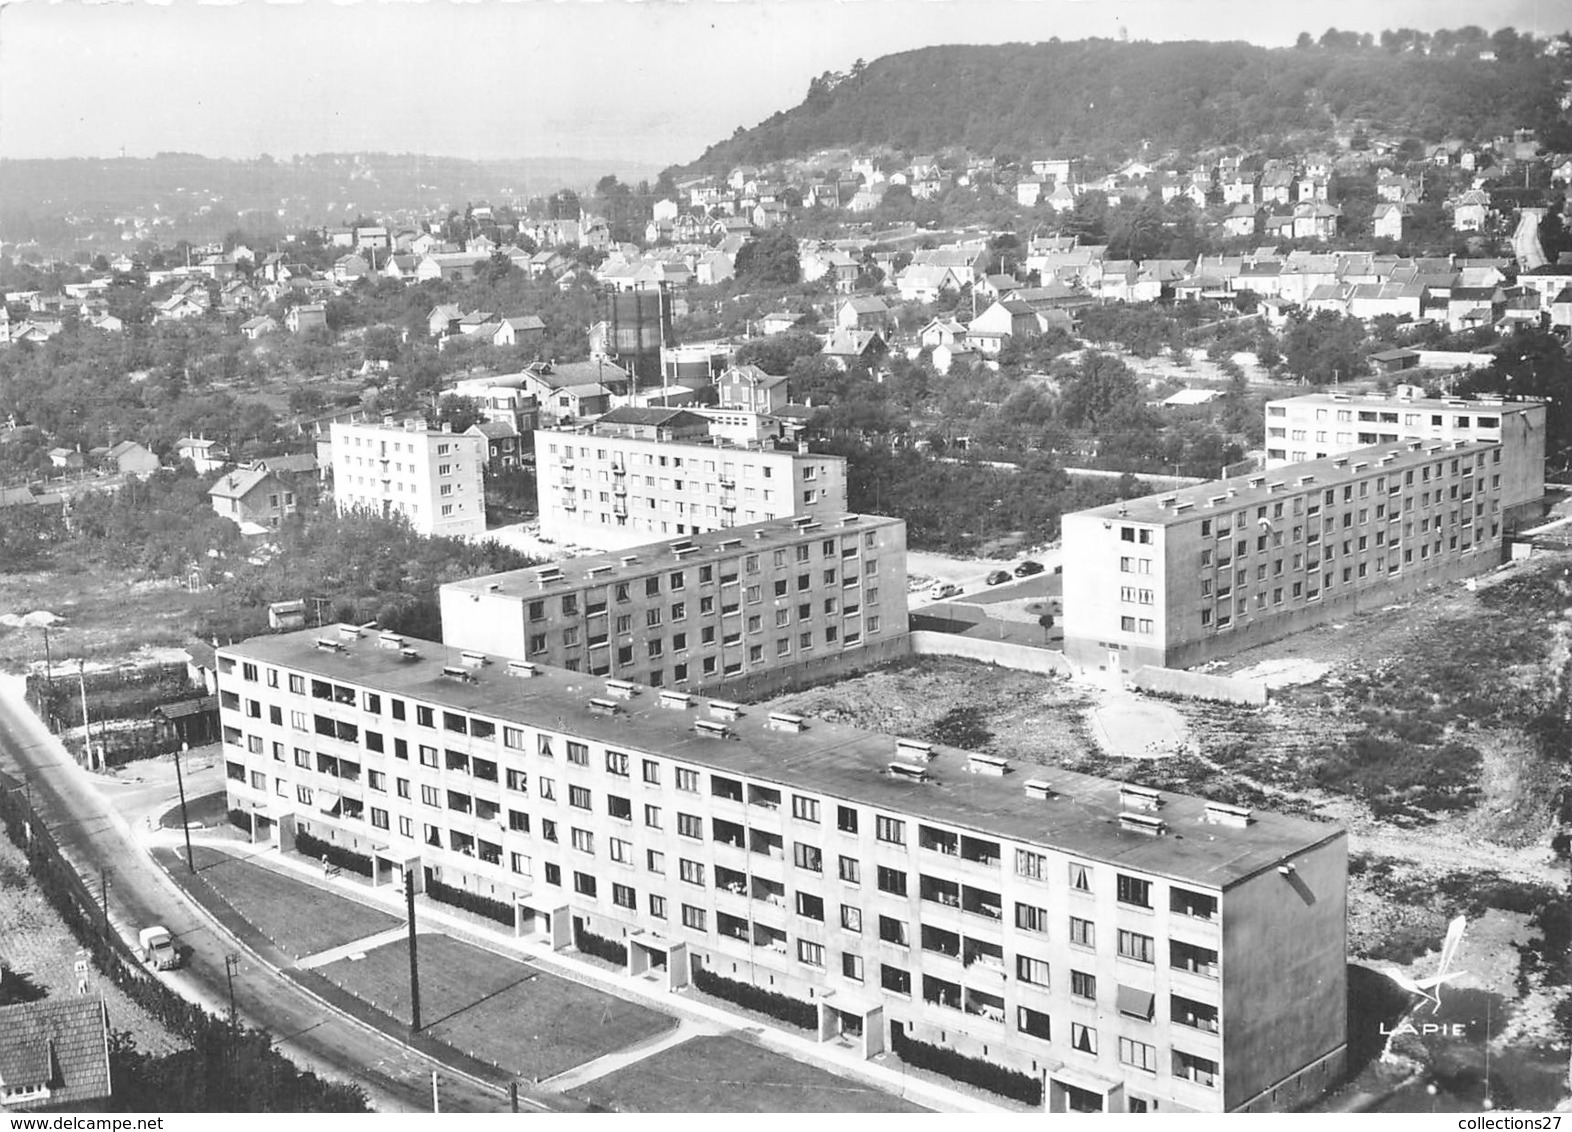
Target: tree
[(768, 259), (775, 353), (1096, 386), (460, 413)]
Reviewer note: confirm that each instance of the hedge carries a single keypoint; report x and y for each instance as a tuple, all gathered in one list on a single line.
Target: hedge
[(242, 818), (471, 902), (332, 854), (600, 947), (787, 1009), (972, 1070)]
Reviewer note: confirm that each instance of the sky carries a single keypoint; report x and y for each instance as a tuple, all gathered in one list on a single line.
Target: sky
[(650, 81)]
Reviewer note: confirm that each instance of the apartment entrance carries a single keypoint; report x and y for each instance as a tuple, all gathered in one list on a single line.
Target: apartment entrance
[(654, 957), (1089, 1094)]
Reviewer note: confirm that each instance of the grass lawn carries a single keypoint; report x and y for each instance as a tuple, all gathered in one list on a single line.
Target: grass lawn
[(299, 919), (497, 1009), (726, 1074)]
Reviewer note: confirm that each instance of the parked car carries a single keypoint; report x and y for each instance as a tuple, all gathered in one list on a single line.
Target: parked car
[(998, 576), (942, 590), (158, 948), (1028, 568)]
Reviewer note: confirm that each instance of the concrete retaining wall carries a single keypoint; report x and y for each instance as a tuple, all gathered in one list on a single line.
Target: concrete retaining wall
[(1198, 685), (1001, 653)]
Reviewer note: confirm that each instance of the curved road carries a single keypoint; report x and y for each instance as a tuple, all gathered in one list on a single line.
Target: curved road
[(95, 837)]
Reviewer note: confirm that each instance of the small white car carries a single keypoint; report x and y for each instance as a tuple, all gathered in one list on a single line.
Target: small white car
[(942, 590)]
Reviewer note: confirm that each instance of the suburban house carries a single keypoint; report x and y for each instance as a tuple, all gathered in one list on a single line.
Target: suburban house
[(306, 316), (1006, 319), (1471, 210), (255, 499), (254, 328), (941, 332), (131, 459), (1386, 220), (749, 388), (67, 458), (926, 282), (524, 330), (205, 455), (503, 444), (54, 1055), (847, 348), (862, 312)]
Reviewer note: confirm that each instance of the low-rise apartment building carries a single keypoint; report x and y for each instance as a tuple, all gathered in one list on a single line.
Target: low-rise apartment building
[(1319, 425), (1135, 950), (1183, 577), (746, 611), (433, 477), (613, 485)]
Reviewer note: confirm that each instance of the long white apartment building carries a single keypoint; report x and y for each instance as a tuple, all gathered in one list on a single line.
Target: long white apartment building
[(745, 611), (1135, 950), (1319, 425), (640, 475), (1186, 576), (432, 477)]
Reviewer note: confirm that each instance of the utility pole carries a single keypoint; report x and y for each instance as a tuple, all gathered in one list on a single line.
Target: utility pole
[(87, 731), (436, 1101), (231, 963), (103, 895), (414, 972), (185, 825)]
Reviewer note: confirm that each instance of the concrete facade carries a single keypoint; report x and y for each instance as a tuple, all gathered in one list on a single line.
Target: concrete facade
[(753, 607), (1329, 424), (431, 477), (610, 491), (1138, 951), (1176, 579)]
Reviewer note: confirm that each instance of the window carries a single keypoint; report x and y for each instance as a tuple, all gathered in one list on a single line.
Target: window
[(1188, 1012), (889, 829), (894, 931), (1189, 957), (431, 796), (578, 753), (547, 788), (1033, 971), (1031, 919), (1183, 902), (892, 881), (1135, 946), (810, 953), (425, 716), (658, 906), (895, 979), (693, 917), (690, 825), (688, 780), (1029, 864), (1138, 1054), (655, 861), (617, 763), (808, 857), (851, 966), (1083, 985), (1080, 877), (846, 819), (851, 918), (1083, 1038), (579, 797), (690, 871), (623, 896), (804, 809), (583, 840), (621, 808), (1083, 933), (810, 906), (1032, 1022), (851, 870), (1198, 1069), (652, 772), (1133, 890), (584, 884)]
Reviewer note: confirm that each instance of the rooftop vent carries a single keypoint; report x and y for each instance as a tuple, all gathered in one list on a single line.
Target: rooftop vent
[(603, 706), (1340, 462), (1143, 823), (1134, 797), (759, 535), (594, 570), (1037, 788), (522, 669), (1168, 501), (802, 520), (1304, 480), (390, 641), (730, 543), (348, 632), (329, 644), (679, 700), (473, 659), (680, 544), (493, 587), (1181, 508), (629, 559), (1225, 813), (991, 765), (679, 551), (914, 749), (812, 526), (711, 728), (408, 654), (911, 771), (1273, 488), (1359, 467), (620, 689), (1257, 481), (784, 721), (725, 709), (457, 672)]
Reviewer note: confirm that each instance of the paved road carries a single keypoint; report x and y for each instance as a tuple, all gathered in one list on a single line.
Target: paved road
[(96, 837)]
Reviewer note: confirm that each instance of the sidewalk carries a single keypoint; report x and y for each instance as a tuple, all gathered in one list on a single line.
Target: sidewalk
[(703, 1017)]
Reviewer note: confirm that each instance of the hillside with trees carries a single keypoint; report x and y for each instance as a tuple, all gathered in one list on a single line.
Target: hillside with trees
[(1108, 99)]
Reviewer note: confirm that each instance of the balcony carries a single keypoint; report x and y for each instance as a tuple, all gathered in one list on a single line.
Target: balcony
[(770, 939), (939, 992), (989, 1006), (766, 844), (728, 833), (979, 851), (731, 880), (764, 797), (982, 956), (733, 927), (938, 841), (945, 892), (981, 902), (940, 941), (768, 891)]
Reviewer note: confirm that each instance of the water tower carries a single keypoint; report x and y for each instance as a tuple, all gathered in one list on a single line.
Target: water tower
[(638, 324)]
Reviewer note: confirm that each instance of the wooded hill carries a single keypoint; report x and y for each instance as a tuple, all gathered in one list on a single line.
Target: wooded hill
[(1107, 98)]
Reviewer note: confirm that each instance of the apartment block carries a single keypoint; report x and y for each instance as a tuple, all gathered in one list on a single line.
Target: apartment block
[(1188, 576), (1319, 425), (1137, 950), (745, 612), (433, 477), (616, 484)]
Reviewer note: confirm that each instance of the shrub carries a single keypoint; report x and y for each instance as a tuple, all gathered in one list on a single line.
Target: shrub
[(471, 902), (600, 947), (332, 854), (787, 1009), (243, 819), (972, 1070)]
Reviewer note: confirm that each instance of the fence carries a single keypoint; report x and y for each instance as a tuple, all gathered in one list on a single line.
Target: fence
[(125, 697), (1198, 686), (1003, 653)]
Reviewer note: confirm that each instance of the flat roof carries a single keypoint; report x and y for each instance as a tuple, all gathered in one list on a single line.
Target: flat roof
[(667, 554), (586, 431), (1080, 814), (1258, 487), (1392, 399)]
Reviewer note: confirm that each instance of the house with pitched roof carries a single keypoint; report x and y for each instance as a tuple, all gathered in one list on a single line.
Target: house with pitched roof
[(521, 330), (1470, 211), (54, 1055), (862, 312), (253, 498), (749, 388)]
